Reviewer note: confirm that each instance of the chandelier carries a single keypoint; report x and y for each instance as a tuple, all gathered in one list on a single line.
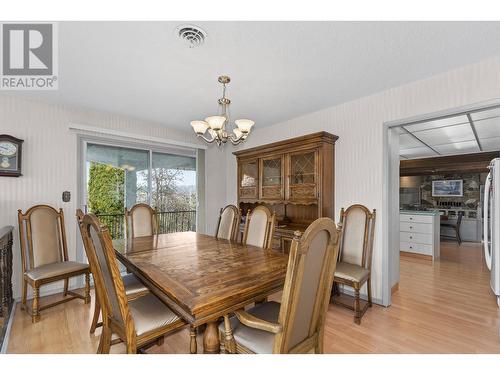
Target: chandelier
[(215, 126)]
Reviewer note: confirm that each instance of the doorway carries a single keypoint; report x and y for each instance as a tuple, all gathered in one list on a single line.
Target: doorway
[(431, 141)]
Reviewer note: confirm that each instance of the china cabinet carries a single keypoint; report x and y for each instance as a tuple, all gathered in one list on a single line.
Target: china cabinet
[(293, 178)]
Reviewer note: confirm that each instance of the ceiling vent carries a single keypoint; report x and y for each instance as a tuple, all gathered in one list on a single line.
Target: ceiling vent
[(192, 35)]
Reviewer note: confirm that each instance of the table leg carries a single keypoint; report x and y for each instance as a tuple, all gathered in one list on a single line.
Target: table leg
[(211, 344)]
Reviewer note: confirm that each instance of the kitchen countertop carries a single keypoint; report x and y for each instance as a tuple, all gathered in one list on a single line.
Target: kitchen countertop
[(410, 212)]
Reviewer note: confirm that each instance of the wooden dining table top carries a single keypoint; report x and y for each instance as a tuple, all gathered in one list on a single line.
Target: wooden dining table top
[(202, 277)]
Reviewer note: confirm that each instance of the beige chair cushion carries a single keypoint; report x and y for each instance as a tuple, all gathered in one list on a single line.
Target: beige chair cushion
[(143, 225), (133, 285), (226, 224), (45, 236), (353, 236), (150, 313), (351, 272), (307, 289), (256, 340), (257, 228), (55, 269)]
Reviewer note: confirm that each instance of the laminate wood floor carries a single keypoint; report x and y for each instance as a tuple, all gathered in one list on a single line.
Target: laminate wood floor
[(441, 307)]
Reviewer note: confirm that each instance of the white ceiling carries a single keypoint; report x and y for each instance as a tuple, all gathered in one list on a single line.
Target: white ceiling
[(451, 136), (279, 70)]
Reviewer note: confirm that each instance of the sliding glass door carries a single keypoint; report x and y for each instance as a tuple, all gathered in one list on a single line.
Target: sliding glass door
[(173, 192), (118, 177)]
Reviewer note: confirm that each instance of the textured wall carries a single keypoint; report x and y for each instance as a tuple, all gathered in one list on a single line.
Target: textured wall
[(471, 193), (50, 162), (359, 150)]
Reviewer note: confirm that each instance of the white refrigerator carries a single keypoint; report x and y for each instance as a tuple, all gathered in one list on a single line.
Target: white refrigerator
[(491, 226)]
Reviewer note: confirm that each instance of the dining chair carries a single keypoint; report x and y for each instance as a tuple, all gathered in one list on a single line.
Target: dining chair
[(455, 227), (141, 220), (138, 322), (296, 325), (44, 257), (259, 227), (133, 287), (228, 224), (354, 268)]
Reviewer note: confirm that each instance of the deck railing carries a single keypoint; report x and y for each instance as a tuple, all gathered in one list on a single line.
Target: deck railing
[(168, 222)]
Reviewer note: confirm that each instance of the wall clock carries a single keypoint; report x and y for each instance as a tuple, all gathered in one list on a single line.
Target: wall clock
[(10, 155)]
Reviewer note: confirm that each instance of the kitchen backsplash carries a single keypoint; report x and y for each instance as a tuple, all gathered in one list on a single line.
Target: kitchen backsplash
[(470, 199)]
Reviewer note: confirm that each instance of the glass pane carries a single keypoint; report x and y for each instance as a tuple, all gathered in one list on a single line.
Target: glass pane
[(173, 192), (271, 173), (302, 168), (117, 177), (249, 174)]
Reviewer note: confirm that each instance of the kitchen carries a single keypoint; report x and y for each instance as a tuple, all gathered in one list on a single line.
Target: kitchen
[(445, 166)]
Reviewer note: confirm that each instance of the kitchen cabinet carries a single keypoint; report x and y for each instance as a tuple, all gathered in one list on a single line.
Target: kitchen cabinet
[(419, 233)]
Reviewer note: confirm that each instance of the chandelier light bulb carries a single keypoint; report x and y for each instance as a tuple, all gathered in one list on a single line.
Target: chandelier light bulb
[(216, 122), (199, 127), (244, 125)]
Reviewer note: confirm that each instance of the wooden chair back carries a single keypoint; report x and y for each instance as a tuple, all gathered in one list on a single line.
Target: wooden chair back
[(110, 289), (358, 226), (306, 292), (259, 227), (229, 220), (141, 220), (79, 218), (42, 236)]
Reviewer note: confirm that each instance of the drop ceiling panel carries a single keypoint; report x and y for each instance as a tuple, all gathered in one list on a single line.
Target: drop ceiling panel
[(491, 144), (407, 141), (438, 123), (488, 128), (417, 152), (449, 134), (457, 148), (485, 114)]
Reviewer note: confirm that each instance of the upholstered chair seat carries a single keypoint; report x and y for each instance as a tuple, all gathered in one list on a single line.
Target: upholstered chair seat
[(149, 314), (252, 339), (55, 269), (133, 285), (352, 272)]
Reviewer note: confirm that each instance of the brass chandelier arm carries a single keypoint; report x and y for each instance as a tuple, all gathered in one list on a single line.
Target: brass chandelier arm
[(206, 139), (236, 140)]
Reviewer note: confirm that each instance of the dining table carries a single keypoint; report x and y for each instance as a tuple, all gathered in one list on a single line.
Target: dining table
[(202, 278)]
